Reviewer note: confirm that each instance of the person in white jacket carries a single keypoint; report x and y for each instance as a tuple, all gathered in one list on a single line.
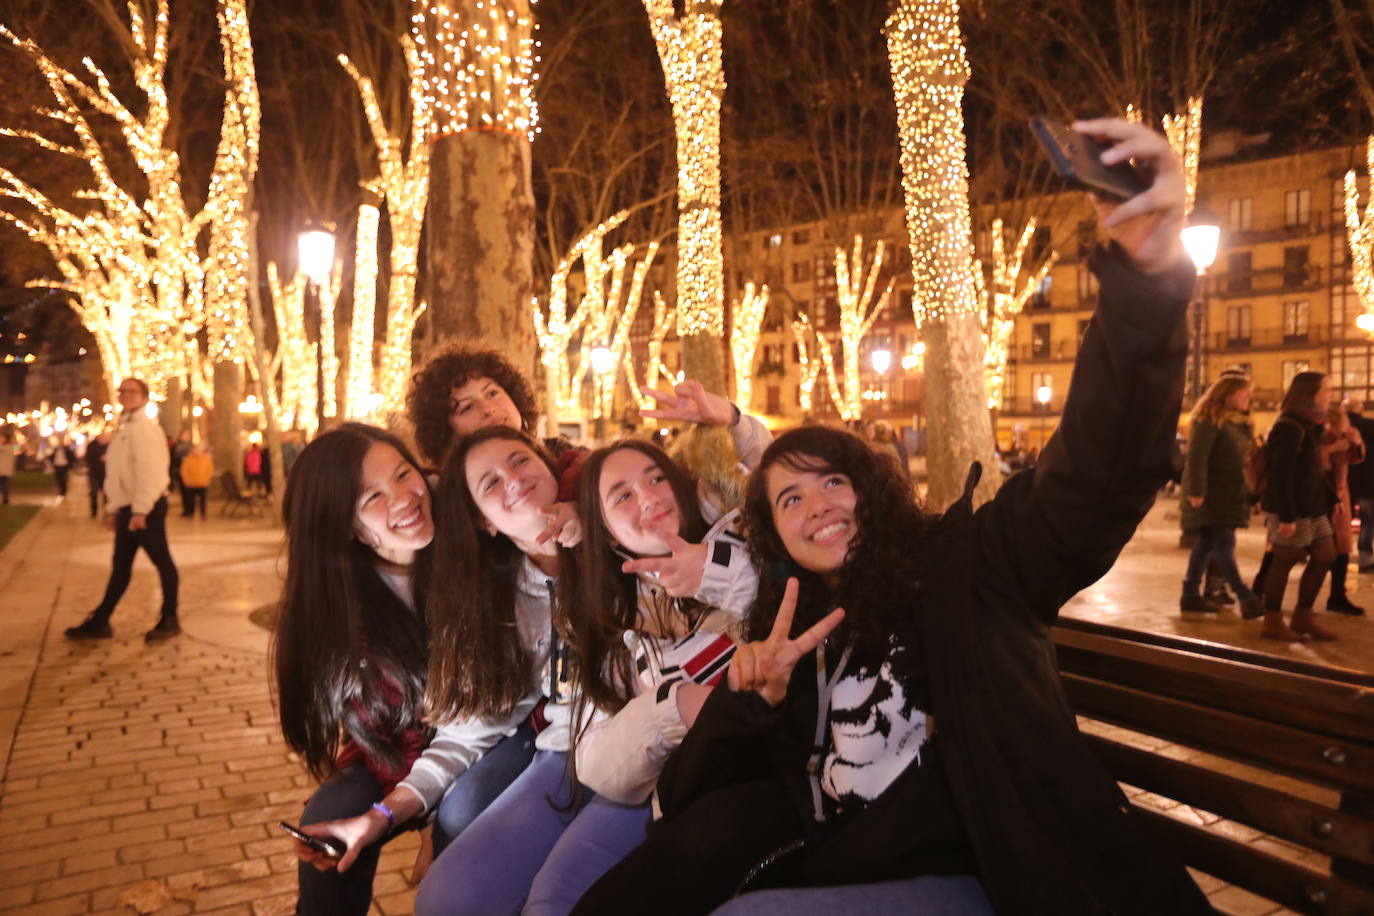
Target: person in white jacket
[(662, 582), (136, 480), (499, 662)]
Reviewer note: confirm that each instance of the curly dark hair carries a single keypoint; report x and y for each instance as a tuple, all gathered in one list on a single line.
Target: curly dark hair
[(429, 400), (880, 579)]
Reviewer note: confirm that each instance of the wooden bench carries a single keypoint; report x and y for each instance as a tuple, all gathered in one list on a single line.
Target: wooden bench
[(235, 498), (1281, 746)]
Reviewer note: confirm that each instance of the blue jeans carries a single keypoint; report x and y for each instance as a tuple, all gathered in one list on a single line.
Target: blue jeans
[(480, 785), (930, 895), (1217, 542), (530, 850)]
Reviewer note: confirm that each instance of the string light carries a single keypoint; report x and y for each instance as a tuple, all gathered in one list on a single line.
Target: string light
[(1184, 131), (808, 361), (855, 284), (1005, 300), (1359, 232), (746, 323), (297, 359), (358, 390), (689, 49), (929, 70), (479, 65), (404, 185)]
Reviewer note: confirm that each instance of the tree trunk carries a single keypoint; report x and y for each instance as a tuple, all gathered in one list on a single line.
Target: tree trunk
[(171, 414), (267, 385), (957, 418), (226, 427), (703, 359), (480, 242)]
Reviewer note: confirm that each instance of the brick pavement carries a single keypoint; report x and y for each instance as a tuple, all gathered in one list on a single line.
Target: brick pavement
[(158, 773), (148, 773)]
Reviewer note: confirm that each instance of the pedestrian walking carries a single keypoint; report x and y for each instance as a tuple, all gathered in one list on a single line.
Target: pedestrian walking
[(253, 461), (62, 460), (1361, 479), (6, 465), (180, 449), (94, 459), (1342, 449), (1297, 504), (197, 472), (136, 482), (1215, 499)]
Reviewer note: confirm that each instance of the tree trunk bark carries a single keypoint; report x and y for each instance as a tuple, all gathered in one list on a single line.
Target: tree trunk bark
[(703, 359), (957, 418), (480, 242), (170, 414), (226, 427)]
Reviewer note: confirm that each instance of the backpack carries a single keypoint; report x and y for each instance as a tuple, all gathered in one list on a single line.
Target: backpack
[(1255, 464)]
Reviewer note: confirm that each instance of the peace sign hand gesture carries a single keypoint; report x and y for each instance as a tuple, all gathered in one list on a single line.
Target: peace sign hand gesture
[(766, 667), (680, 573), (690, 402)]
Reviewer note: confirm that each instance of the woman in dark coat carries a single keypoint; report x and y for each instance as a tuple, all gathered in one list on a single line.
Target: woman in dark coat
[(1215, 499), (1297, 503), (925, 754)]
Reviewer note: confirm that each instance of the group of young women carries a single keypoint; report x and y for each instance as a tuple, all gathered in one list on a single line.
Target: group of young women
[(1303, 493), (611, 690)]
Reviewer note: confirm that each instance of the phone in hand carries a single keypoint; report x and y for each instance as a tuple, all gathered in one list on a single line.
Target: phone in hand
[(1078, 160), (327, 845)]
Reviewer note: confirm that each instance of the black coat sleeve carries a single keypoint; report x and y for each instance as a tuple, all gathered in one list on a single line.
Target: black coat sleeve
[(1054, 530), (1281, 455)]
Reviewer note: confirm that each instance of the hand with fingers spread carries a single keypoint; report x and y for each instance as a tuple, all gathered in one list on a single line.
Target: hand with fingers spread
[(564, 526), (1148, 226), (689, 402), (680, 572), (766, 667)]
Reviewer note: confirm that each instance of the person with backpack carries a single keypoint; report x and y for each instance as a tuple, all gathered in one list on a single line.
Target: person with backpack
[(1297, 503), (1215, 497)]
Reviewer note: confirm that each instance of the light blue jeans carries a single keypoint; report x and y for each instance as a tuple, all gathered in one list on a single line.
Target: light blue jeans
[(929, 895), (481, 784), (528, 851)]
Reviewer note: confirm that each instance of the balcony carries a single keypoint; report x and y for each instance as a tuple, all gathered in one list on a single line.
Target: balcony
[(1265, 281), (1269, 339), (1316, 225)]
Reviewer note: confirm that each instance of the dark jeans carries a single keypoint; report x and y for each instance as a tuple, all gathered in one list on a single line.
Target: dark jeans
[(1364, 509), (192, 496), (348, 793), (153, 540), (61, 475), (95, 485), (4, 489), (1217, 543)]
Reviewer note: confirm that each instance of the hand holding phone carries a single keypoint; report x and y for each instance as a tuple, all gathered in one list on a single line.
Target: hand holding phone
[(328, 846), (1077, 158)]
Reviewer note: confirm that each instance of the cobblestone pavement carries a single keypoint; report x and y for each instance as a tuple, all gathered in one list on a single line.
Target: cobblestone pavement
[(153, 776)]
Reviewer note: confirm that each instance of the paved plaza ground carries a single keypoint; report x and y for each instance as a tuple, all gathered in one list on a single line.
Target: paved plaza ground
[(151, 778)]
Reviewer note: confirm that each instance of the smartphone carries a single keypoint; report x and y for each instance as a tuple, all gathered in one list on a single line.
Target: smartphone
[(327, 845), (1078, 160)]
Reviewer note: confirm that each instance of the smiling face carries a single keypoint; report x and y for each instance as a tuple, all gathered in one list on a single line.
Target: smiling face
[(513, 488), (481, 402), (813, 512), (637, 502), (393, 515), (131, 395)]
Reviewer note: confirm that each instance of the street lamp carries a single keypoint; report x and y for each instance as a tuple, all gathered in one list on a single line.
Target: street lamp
[(1042, 397), (603, 364), (1201, 238), (315, 248), (882, 361)]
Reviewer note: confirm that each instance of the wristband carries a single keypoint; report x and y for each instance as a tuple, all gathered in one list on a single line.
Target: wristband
[(387, 813)]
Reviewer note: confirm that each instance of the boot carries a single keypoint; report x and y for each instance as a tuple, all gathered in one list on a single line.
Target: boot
[(94, 626), (166, 628), (1305, 624), (1338, 601), (1251, 608), (1214, 589), (1275, 628), (1258, 585), (1196, 604)]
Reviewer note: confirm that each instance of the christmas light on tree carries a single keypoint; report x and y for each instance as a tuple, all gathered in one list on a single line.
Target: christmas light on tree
[(1184, 131), (746, 323), (362, 332), (855, 284), (1359, 233), (808, 359), (1005, 300)]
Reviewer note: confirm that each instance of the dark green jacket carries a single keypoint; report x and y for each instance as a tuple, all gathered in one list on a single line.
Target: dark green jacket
[(1214, 470)]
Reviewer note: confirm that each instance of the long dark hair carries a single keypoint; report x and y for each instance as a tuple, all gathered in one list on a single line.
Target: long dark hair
[(879, 582), (477, 666), (1301, 397), (337, 613), (601, 601)]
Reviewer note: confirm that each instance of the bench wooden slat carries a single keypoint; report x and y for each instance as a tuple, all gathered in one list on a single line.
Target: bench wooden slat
[(1313, 704), (1291, 884), (1315, 826), (1328, 761), (1065, 626)]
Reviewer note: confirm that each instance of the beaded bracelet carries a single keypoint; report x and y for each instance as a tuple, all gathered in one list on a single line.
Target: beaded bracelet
[(387, 813)]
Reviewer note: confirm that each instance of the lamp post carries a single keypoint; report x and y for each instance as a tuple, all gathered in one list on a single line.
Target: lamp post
[(1201, 238), (315, 248), (1042, 397)]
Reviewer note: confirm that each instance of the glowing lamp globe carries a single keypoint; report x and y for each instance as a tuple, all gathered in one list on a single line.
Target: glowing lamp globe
[(882, 361), (1365, 322), (603, 360), (316, 251), (1043, 394), (1201, 238)]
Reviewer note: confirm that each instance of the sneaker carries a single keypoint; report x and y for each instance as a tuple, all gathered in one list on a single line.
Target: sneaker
[(166, 628), (92, 627), (1342, 605), (1196, 604)]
